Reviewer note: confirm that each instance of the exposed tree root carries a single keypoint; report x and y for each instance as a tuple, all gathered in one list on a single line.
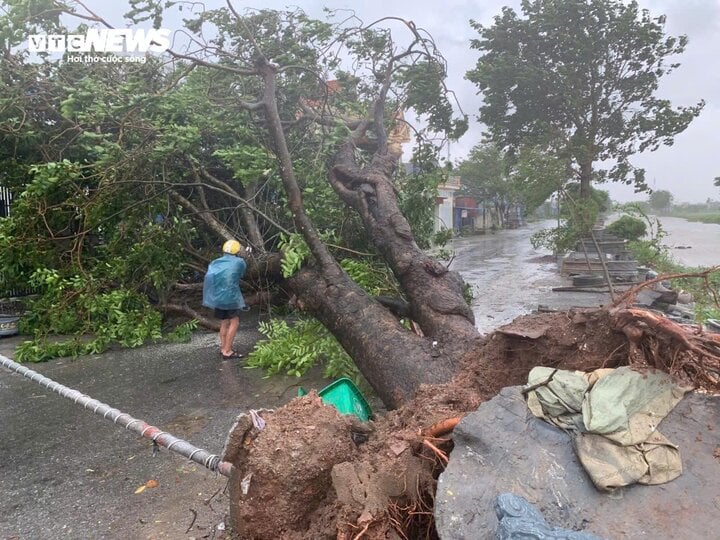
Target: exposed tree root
[(441, 428), (628, 297), (385, 488), (658, 342), (414, 520)]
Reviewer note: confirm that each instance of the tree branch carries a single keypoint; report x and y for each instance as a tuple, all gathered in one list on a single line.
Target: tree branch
[(205, 215), (186, 310), (246, 209), (223, 67), (287, 172)]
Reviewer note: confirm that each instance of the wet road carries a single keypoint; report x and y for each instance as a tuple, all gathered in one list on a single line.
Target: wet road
[(511, 278), (66, 473)]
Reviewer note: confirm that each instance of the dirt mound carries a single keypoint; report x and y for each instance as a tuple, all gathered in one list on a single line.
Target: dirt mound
[(316, 474), (285, 474)]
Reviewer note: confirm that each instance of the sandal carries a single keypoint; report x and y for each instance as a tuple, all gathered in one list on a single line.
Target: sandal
[(231, 355)]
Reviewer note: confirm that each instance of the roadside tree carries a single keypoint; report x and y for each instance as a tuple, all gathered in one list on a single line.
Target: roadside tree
[(584, 73), (660, 200), (493, 176)]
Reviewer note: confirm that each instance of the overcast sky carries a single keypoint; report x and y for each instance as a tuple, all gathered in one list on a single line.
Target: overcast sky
[(686, 169)]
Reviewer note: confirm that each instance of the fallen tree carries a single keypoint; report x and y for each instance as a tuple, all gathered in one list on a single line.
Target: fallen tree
[(217, 147), (226, 155)]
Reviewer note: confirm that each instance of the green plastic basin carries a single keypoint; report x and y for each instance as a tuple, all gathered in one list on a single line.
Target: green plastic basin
[(345, 397)]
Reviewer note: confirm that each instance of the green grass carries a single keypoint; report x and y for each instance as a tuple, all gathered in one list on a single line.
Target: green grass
[(710, 217)]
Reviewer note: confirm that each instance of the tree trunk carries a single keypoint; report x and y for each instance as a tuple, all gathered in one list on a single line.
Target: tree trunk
[(435, 294), (394, 360), (585, 179)]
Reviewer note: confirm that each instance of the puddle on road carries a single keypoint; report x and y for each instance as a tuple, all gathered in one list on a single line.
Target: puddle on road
[(508, 276), (185, 425)]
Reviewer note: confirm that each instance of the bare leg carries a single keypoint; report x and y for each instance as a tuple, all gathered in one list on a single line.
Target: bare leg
[(230, 331), (224, 325)]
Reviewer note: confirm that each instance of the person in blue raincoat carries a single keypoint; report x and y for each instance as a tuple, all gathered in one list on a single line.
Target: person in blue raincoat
[(221, 292)]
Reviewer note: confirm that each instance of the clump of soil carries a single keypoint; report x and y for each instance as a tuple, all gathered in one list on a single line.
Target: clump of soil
[(285, 473), (317, 474)]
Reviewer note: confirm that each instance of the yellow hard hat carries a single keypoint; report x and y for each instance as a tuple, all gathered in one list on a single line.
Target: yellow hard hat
[(232, 247)]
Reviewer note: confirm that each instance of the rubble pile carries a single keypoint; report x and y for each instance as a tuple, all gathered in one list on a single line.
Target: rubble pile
[(676, 305)]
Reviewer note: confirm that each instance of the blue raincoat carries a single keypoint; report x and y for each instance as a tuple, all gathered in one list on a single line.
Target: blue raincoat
[(221, 288)]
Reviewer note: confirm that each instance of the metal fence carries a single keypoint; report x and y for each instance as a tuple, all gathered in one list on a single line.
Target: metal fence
[(5, 291), (10, 293), (5, 199)]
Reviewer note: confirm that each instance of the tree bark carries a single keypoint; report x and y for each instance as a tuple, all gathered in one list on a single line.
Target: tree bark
[(435, 294), (585, 180), (206, 215), (394, 360), (250, 220)]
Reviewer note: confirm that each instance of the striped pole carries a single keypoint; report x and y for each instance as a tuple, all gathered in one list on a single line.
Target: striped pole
[(173, 444)]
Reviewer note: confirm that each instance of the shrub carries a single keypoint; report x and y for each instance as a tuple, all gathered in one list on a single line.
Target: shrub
[(628, 227)]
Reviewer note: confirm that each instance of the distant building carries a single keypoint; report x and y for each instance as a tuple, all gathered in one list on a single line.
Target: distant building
[(445, 204), (470, 215), (465, 213)]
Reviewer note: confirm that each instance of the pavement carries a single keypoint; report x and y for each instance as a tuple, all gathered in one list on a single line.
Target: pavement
[(67, 473)]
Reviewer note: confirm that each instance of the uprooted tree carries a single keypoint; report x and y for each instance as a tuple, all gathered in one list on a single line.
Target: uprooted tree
[(138, 170)]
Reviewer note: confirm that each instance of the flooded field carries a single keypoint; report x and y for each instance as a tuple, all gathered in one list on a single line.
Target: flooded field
[(692, 243)]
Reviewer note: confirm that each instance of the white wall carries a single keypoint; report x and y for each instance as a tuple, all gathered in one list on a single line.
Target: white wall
[(444, 211)]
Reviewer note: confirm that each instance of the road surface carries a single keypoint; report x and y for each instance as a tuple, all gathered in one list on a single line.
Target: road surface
[(66, 473), (511, 278)]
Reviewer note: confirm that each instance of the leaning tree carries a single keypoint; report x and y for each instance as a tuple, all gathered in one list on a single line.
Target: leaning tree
[(584, 74), (262, 123)]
